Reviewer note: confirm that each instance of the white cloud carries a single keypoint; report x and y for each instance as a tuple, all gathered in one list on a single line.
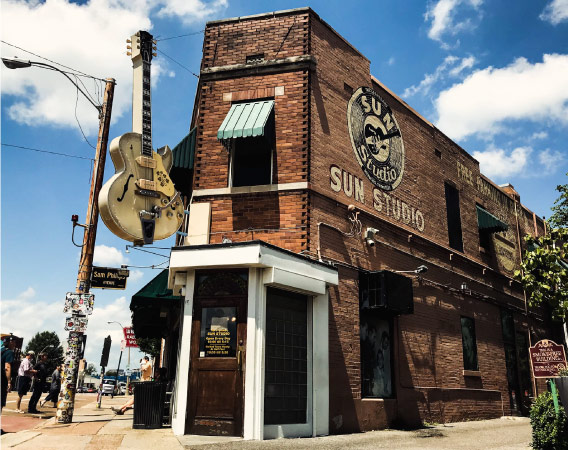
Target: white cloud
[(521, 91), (98, 29), (497, 163), (555, 12), (108, 256), (20, 316), (391, 61), (191, 10), (539, 135), (135, 275), (443, 15), (551, 160), (451, 65)]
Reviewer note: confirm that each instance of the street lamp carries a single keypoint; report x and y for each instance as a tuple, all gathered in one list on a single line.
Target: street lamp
[(47, 346), (120, 359), (66, 403)]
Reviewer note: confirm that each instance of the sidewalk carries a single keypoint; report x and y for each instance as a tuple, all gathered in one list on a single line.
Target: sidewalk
[(92, 428)]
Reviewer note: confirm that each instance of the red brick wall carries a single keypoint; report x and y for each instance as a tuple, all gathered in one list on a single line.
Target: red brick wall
[(312, 135)]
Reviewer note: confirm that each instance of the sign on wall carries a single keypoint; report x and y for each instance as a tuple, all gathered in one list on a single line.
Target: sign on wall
[(376, 139), (547, 359)]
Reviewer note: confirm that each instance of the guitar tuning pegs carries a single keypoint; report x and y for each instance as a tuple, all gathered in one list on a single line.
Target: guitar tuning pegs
[(155, 55), (128, 41), (128, 47), (129, 53)]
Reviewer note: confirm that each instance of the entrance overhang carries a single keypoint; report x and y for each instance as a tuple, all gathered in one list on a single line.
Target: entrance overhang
[(268, 266)]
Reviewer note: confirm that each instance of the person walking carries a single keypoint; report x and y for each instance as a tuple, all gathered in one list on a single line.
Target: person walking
[(39, 384), (54, 388), (7, 360), (25, 373)]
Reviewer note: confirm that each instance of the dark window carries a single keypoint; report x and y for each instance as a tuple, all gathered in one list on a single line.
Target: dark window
[(438, 153), (469, 344), (454, 217), (485, 240), (286, 358), (252, 161), (376, 355)]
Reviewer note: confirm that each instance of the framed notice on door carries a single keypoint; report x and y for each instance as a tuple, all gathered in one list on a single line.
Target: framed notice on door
[(218, 332)]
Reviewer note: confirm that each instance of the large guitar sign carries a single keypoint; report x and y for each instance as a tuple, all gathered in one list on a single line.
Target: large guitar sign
[(139, 203)]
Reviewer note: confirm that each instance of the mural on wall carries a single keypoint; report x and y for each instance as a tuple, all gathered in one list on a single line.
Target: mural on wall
[(376, 139), (376, 370)]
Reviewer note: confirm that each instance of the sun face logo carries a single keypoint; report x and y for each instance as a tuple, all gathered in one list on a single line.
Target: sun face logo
[(376, 139)]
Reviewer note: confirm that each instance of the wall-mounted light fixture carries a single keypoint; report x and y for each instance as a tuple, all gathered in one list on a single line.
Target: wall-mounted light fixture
[(370, 236), (420, 269), (464, 286)]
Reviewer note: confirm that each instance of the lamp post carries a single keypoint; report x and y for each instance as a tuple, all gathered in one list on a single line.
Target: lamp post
[(120, 357), (66, 404)]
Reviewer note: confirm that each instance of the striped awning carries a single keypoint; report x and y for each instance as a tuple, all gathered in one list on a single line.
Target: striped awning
[(246, 120), (488, 222), (184, 152)]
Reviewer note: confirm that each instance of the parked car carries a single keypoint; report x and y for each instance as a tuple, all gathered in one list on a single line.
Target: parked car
[(108, 387)]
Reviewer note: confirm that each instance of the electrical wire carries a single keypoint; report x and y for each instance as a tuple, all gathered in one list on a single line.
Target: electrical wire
[(79, 123), (180, 36), (54, 62), (46, 151), (179, 64)]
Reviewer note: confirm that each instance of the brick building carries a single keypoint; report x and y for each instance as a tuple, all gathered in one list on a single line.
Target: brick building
[(345, 265)]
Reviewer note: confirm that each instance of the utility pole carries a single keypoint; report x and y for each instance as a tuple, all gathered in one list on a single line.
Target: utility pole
[(66, 404)]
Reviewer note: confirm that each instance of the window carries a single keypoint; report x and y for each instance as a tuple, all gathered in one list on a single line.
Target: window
[(286, 358), (376, 355), (469, 344), (454, 217), (251, 162)]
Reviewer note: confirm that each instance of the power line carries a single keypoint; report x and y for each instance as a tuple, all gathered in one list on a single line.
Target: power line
[(54, 62), (180, 36), (179, 64), (46, 151)]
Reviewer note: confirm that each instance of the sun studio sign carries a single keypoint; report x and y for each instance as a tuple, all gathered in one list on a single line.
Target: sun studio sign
[(376, 139), (377, 143)]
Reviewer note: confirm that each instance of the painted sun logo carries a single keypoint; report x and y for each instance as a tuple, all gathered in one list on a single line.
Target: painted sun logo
[(376, 139)]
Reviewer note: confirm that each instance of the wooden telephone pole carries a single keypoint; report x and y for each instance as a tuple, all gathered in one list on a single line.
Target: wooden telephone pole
[(66, 404)]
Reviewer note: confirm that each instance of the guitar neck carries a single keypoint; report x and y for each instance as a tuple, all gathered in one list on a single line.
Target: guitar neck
[(141, 89), (146, 111)]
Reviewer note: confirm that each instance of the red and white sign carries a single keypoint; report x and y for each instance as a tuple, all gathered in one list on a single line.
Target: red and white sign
[(547, 358), (129, 337)]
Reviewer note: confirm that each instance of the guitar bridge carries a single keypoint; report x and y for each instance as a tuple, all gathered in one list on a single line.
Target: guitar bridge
[(149, 214)]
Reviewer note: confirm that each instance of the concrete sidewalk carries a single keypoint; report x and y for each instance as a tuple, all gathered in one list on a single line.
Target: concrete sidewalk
[(92, 428)]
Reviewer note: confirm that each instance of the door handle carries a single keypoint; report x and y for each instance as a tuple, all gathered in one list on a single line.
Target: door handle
[(240, 354)]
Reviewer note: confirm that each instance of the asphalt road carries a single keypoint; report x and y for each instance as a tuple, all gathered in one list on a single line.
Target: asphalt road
[(508, 433)]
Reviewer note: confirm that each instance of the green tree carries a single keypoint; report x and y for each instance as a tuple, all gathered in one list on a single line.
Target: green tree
[(150, 346), (48, 342), (544, 271), (91, 370), (559, 217)]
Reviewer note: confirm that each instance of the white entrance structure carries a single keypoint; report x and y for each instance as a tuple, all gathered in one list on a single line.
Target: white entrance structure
[(268, 266)]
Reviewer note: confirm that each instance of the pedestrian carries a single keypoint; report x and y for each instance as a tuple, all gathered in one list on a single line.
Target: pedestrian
[(39, 383), (145, 369), (25, 373), (7, 360), (54, 388)]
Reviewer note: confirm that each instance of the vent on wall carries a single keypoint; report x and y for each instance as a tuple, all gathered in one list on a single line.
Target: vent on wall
[(251, 59)]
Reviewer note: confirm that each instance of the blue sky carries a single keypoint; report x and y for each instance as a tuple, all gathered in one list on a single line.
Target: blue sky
[(492, 76)]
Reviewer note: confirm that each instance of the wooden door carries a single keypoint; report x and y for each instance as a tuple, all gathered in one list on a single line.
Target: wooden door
[(218, 341)]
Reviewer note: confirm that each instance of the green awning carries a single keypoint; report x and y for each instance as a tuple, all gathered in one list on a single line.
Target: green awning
[(488, 222), (151, 307), (246, 120), (184, 152)]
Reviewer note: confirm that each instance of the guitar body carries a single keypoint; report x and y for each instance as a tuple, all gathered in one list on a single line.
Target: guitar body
[(140, 188)]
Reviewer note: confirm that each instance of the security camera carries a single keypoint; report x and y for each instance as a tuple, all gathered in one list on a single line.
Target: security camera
[(421, 269), (370, 242)]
